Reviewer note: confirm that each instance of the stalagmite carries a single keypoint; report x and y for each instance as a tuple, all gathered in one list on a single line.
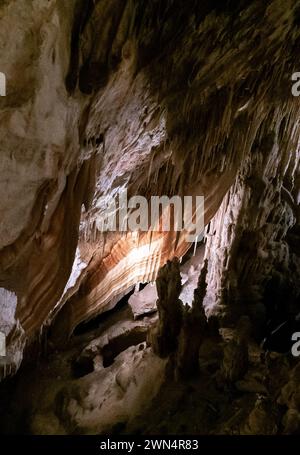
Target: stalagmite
[(163, 338)]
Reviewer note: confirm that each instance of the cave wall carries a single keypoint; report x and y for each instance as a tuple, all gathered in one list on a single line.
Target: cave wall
[(253, 263)]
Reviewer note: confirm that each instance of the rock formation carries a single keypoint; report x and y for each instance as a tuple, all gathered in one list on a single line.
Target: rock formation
[(155, 97)]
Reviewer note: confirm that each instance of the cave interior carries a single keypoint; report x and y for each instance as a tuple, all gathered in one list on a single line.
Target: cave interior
[(144, 331)]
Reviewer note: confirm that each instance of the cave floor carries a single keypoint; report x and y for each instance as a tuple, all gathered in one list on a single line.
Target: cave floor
[(108, 381)]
